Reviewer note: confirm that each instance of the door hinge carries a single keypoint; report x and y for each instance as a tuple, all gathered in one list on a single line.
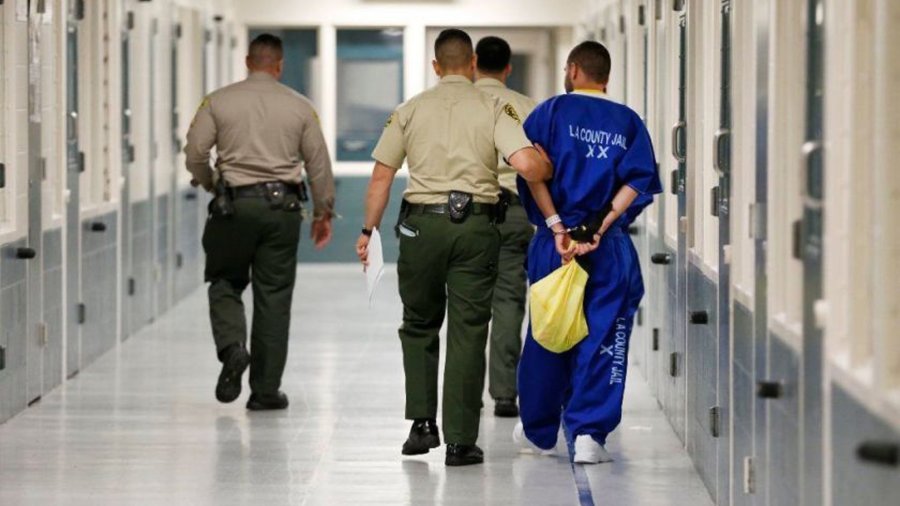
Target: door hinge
[(2, 175), (234, 43), (642, 15), (621, 24), (640, 316), (673, 365), (132, 286), (678, 5), (78, 10), (749, 476), (207, 36), (41, 7), (129, 21), (81, 161), (154, 27), (2, 349), (658, 9), (656, 339), (673, 182), (797, 246), (82, 313), (43, 169), (177, 30), (758, 220), (714, 421), (42, 334), (179, 260)]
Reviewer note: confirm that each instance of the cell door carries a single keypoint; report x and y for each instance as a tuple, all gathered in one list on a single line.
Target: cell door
[(721, 199), (765, 390), (678, 357), (128, 160), (35, 330), (74, 167), (812, 252)]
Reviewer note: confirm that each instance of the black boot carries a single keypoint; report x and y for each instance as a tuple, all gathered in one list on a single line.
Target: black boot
[(263, 402), (423, 436), (463, 455), (235, 360), (506, 408)]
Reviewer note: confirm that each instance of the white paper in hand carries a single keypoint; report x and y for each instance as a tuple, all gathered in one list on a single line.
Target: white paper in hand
[(375, 269)]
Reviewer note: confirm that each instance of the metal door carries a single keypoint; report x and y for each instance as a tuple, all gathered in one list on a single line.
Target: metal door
[(678, 358), (35, 333), (758, 469), (74, 167), (721, 202), (811, 468), (128, 158), (156, 266)]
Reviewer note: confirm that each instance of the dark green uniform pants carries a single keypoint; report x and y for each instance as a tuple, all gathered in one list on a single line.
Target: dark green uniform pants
[(447, 267), (257, 244), (509, 303)]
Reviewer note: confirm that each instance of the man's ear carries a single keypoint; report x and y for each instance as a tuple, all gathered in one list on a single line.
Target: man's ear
[(508, 70), (436, 67), (247, 62)]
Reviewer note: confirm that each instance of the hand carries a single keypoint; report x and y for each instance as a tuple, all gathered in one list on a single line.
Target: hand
[(321, 232), (362, 249), (583, 248), (564, 246)]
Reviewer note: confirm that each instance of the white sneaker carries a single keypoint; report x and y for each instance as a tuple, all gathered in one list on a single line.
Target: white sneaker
[(525, 445), (588, 451)]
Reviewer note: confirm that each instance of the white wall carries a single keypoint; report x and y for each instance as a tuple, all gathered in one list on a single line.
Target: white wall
[(414, 18)]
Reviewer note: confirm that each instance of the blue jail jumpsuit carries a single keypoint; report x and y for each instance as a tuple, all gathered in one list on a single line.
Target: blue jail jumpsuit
[(596, 146)]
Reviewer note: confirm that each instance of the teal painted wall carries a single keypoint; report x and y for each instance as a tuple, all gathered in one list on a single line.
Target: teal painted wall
[(350, 204)]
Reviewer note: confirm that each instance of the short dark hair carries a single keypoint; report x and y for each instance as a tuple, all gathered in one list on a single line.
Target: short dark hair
[(493, 53), (265, 50), (593, 59), (453, 49)]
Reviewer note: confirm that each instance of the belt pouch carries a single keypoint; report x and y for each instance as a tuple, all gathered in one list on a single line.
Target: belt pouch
[(460, 205)]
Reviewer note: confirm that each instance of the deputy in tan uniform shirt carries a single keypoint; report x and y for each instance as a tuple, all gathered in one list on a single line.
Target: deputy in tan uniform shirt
[(508, 306), (450, 137), (265, 134)]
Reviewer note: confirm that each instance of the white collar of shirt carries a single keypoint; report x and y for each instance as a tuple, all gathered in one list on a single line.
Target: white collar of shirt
[(591, 93)]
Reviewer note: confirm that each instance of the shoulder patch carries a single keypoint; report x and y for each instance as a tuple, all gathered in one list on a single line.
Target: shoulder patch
[(511, 112), (389, 120), (204, 103)]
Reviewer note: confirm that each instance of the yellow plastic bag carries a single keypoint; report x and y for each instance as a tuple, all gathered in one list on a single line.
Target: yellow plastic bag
[(557, 308)]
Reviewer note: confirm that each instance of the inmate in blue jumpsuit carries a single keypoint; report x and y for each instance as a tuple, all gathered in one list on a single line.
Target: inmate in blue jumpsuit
[(596, 146)]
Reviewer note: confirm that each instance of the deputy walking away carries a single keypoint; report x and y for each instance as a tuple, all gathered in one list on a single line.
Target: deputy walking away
[(450, 136), (264, 134), (508, 305), (605, 175)]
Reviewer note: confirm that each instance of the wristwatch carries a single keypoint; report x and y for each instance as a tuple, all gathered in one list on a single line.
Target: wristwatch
[(367, 232)]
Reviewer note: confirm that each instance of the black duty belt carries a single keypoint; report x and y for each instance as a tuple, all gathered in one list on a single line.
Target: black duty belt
[(477, 208), (261, 190), (514, 199)]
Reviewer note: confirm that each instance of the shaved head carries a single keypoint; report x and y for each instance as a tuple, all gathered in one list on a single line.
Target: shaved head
[(266, 52), (453, 49)]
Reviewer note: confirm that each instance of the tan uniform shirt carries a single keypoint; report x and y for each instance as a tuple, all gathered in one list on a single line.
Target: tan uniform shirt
[(263, 131), (451, 135), (523, 106)]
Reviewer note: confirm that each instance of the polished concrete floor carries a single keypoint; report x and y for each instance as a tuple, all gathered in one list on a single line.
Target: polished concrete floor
[(141, 427)]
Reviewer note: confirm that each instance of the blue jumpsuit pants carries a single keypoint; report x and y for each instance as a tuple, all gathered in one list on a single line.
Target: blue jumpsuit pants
[(584, 386)]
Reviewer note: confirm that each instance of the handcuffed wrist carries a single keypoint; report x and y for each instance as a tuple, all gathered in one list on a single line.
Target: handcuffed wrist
[(553, 220)]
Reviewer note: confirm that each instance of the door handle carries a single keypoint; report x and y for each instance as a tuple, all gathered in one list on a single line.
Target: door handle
[(678, 135), (25, 253), (699, 317), (810, 149), (98, 226), (661, 258), (769, 390), (884, 453), (722, 138), (634, 230), (190, 196)]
